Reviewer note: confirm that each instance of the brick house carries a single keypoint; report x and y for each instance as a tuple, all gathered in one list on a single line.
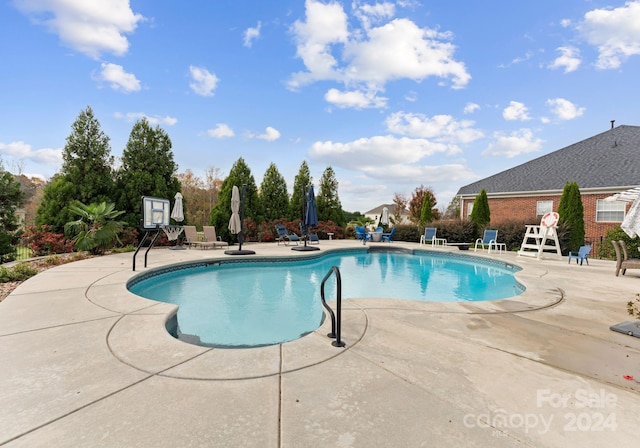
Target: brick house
[(601, 165)]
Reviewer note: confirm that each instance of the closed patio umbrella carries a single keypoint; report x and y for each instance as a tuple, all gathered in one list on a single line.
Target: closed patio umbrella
[(235, 225), (631, 222), (384, 219), (310, 219), (235, 222), (177, 214)]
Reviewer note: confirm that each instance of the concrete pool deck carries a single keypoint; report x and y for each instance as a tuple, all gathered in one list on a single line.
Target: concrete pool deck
[(86, 363)]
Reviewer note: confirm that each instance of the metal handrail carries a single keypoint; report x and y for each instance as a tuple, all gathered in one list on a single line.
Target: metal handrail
[(336, 320)]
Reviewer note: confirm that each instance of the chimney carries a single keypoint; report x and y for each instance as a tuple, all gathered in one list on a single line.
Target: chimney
[(612, 123)]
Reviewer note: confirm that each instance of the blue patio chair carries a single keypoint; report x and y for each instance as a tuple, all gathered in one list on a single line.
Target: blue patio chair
[(362, 234), (582, 255), (285, 237), (388, 237), (490, 238), (430, 235)]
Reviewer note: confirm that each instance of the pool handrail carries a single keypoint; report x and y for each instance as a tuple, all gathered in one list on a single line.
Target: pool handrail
[(336, 319)]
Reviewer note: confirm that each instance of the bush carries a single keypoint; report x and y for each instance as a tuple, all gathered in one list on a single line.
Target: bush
[(606, 249), (19, 272), (42, 241), (407, 232)]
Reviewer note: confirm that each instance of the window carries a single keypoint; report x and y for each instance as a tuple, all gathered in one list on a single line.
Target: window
[(543, 207), (610, 211), (469, 208)]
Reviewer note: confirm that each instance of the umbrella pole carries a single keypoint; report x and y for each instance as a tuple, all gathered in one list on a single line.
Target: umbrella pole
[(306, 226)]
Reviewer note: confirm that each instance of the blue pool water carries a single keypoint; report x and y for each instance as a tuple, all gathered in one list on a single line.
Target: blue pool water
[(252, 303)]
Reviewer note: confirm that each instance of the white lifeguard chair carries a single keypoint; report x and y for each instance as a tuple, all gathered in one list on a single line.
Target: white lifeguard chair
[(538, 239)]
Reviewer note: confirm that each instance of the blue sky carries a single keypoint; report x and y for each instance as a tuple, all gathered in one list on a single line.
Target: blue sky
[(392, 95)]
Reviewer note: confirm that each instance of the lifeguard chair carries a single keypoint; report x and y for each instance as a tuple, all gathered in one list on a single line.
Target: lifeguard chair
[(538, 239)]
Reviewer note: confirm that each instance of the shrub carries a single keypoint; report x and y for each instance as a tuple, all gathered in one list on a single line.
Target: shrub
[(406, 232), (19, 272), (42, 241), (455, 230), (606, 249)]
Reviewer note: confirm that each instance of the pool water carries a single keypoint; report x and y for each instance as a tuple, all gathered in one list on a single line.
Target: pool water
[(253, 303)]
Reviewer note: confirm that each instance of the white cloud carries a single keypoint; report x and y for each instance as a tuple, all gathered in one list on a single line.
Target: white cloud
[(569, 59), (203, 82), (470, 108), (117, 78), (221, 131), (155, 120), (516, 111), (271, 134), (564, 109), (90, 27), (251, 34), (389, 158), (364, 60), (440, 128), (21, 150), (354, 99), (512, 145), (370, 14), (614, 32)]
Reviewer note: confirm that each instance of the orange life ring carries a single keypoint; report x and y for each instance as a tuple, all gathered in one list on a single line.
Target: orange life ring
[(550, 219)]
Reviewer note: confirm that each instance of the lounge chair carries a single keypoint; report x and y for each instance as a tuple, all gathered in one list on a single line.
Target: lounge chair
[(210, 238), (285, 237), (388, 237), (430, 235), (362, 234), (312, 238), (581, 255), (623, 262), (191, 236), (490, 238)]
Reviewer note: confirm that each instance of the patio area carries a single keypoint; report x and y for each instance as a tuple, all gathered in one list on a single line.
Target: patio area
[(86, 363)]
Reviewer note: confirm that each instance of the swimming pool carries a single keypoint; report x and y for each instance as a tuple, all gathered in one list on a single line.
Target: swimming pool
[(242, 303)]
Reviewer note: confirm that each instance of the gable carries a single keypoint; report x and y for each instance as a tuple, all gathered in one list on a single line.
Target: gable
[(609, 159)]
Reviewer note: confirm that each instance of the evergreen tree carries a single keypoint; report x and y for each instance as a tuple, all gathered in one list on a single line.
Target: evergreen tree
[(426, 215), (11, 197), (417, 199), (273, 194), (147, 169), (239, 175), (300, 184), (481, 215), (571, 213), (327, 201), (86, 174)]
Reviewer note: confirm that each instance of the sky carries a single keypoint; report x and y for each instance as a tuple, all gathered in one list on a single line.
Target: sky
[(391, 94)]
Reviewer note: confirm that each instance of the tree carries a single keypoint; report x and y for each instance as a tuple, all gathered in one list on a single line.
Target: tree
[(147, 169), (96, 230), (11, 197), (239, 175), (86, 174), (425, 214), (327, 201), (415, 205), (453, 209), (571, 213), (480, 215), (301, 182), (273, 194), (400, 201)]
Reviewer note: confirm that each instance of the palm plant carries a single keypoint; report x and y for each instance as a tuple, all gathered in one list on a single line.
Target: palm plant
[(97, 229)]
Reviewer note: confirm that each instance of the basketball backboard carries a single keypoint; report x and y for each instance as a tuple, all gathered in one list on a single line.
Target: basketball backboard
[(155, 212)]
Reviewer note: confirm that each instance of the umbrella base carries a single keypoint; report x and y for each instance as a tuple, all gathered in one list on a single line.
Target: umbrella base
[(305, 248), (239, 252)]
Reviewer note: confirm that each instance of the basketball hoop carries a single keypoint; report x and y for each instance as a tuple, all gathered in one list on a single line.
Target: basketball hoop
[(172, 232)]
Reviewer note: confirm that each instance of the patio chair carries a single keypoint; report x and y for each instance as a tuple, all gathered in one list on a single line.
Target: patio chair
[(210, 238), (362, 234), (430, 235), (388, 237), (286, 237), (489, 239), (581, 255), (191, 236), (312, 238), (623, 262)]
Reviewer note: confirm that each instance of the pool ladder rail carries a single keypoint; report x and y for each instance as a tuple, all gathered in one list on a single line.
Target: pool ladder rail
[(336, 319)]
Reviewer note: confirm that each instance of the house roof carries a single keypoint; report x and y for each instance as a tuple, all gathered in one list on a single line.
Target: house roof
[(378, 210), (609, 159)]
